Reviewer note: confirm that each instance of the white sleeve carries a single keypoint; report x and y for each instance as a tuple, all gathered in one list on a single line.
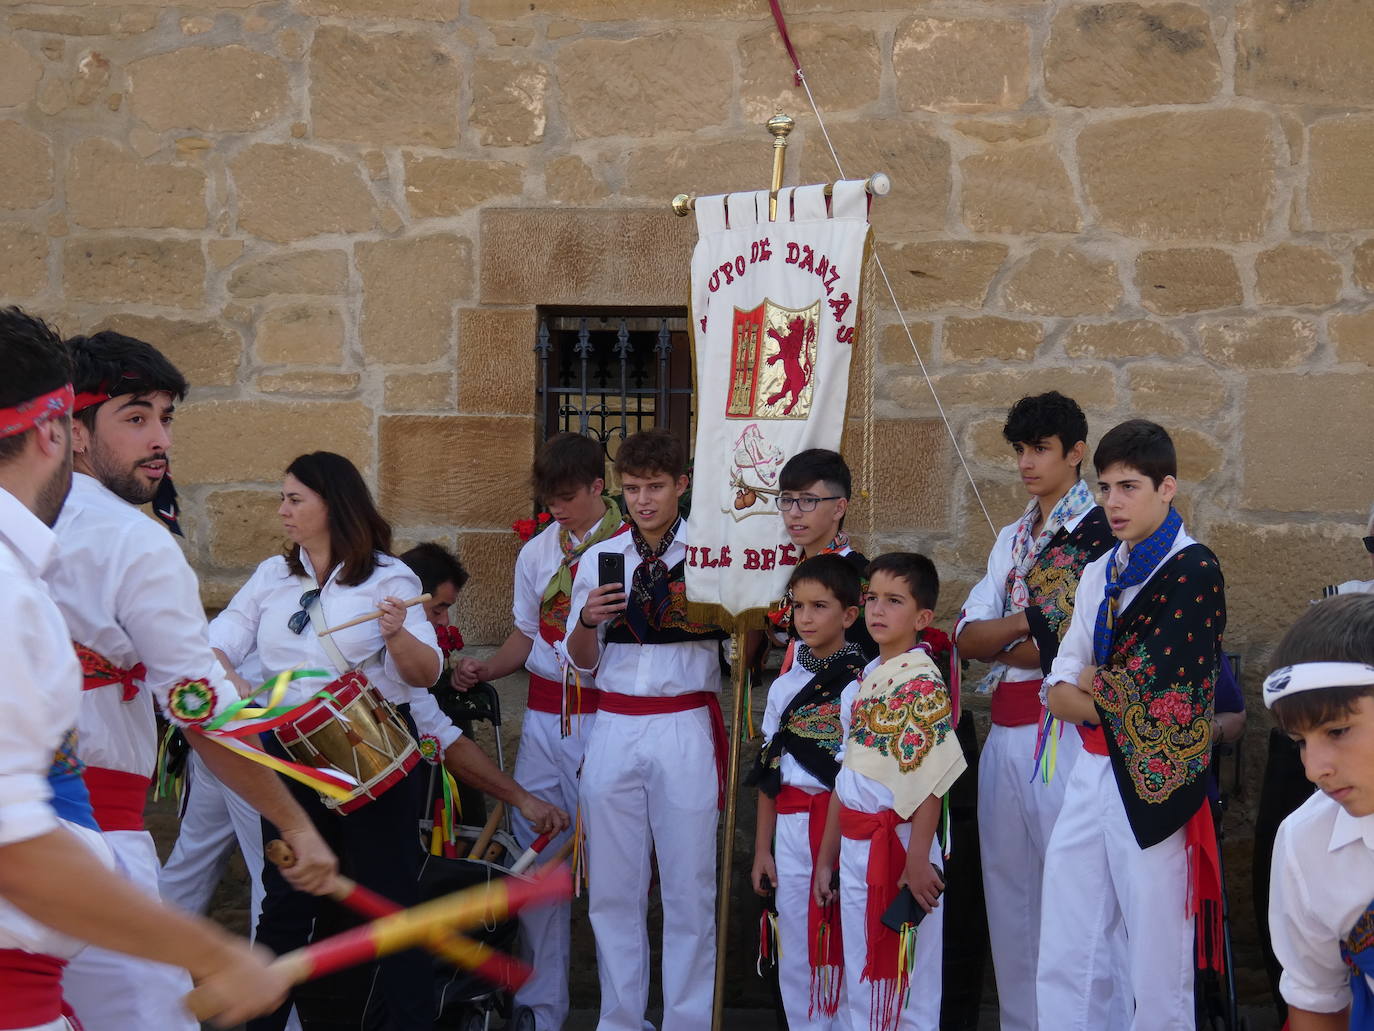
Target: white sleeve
[(399, 582), (235, 630), (847, 697), (583, 584), (26, 743), (430, 719), (772, 712), (1314, 976), (527, 595), (1076, 648), (987, 599)]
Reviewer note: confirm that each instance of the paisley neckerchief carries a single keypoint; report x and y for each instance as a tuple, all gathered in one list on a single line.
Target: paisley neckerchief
[(557, 596), (1144, 559), (1358, 952)]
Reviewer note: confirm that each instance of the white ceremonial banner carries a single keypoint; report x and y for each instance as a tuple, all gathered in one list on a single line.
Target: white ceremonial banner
[(775, 310)]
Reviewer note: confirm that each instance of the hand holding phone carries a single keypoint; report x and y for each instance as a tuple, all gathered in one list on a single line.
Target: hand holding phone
[(607, 599)]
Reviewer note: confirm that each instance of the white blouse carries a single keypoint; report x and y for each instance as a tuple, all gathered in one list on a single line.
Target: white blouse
[(780, 695), (538, 560)]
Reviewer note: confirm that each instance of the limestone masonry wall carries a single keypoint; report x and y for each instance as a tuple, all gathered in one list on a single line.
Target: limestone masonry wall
[(339, 217)]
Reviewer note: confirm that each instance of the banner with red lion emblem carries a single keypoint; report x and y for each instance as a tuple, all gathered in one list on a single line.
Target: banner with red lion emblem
[(775, 312)]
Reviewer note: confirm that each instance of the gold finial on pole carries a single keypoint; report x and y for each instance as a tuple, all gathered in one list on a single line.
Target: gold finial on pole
[(780, 126)]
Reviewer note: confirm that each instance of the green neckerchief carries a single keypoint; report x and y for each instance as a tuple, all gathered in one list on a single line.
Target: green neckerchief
[(560, 584)]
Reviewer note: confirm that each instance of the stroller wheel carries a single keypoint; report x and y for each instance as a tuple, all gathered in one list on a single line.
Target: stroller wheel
[(523, 1019)]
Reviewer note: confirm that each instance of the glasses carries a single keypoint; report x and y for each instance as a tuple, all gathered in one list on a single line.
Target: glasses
[(805, 503), (1369, 545), (297, 622)]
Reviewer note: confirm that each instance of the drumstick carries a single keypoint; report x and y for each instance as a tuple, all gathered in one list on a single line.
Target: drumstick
[(504, 971), (488, 831), (373, 615), (556, 860), (530, 854), (493, 900)]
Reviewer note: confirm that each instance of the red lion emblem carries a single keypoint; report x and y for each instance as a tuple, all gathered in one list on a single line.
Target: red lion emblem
[(796, 362)]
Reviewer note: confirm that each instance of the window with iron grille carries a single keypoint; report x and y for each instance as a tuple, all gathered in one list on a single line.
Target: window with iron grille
[(611, 373)]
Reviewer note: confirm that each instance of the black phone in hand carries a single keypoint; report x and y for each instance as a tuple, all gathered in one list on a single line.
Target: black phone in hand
[(905, 909), (610, 568)]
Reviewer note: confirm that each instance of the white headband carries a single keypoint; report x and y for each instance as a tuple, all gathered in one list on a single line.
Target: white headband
[(1312, 676)]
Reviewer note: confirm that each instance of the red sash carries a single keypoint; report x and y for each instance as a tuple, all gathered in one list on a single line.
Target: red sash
[(1016, 705), (98, 671), (30, 987), (117, 798), (825, 945), (636, 705), (1093, 740), (547, 696)]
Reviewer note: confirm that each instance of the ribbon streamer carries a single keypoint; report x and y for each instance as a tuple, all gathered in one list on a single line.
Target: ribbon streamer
[(787, 41)]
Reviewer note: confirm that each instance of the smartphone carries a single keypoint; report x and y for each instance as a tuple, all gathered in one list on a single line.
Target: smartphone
[(905, 909), (610, 568)]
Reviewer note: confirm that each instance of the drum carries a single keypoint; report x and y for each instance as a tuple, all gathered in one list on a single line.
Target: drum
[(357, 732)]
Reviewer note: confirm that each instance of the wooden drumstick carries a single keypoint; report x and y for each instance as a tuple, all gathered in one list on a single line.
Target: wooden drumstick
[(488, 831), (554, 861), (373, 615)]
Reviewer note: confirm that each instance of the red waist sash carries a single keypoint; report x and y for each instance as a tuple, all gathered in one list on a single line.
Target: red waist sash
[(547, 696), (637, 705), (98, 671), (825, 944), (117, 798), (792, 799), (1016, 705), (886, 860), (30, 988), (1093, 740)]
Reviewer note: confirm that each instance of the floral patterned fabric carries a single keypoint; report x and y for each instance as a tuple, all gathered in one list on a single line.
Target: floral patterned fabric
[(1155, 692), (1358, 952), (1052, 581)]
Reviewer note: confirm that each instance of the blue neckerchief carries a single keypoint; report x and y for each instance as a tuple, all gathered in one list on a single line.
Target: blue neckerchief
[(70, 799), (1358, 952), (1145, 559)]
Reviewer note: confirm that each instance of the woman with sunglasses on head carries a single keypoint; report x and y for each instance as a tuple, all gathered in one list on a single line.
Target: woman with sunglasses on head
[(337, 567)]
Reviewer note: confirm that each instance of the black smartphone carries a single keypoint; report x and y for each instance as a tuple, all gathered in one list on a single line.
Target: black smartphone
[(610, 568), (905, 909)]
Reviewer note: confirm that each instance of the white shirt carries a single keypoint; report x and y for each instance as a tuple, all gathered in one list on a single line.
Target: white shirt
[(538, 560), (1076, 650), (1321, 881), (780, 695), (126, 591), (855, 790), (257, 618), (987, 600), (646, 670)]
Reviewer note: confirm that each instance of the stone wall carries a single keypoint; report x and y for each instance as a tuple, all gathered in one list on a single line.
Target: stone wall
[(340, 216)]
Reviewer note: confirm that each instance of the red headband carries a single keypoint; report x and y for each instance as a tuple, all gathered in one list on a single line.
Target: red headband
[(28, 414), (88, 398)]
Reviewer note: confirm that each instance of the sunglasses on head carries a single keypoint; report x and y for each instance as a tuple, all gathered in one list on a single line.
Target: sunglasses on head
[(297, 622)]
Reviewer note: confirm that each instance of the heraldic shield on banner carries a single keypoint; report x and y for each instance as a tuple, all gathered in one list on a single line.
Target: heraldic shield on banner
[(776, 304)]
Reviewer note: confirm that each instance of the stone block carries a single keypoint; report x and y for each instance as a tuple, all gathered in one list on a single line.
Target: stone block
[(509, 102), (1062, 281), (439, 187), (383, 10), (983, 442), (244, 527), (1290, 274), (26, 167), (1364, 265), (843, 63), (1258, 343), (254, 441), (1274, 571), (289, 192), (1199, 456), (1352, 334), (1092, 386), (943, 273), (1181, 175), (207, 353), (87, 22), (990, 337), (1001, 129), (409, 289), (1340, 181), (496, 362), (379, 88), (455, 470), (310, 383), (894, 348), (420, 392), (603, 256), (19, 74), (1128, 54), (1305, 53), (23, 261), (483, 609), (961, 65), (656, 172), (911, 459), (629, 87), (570, 180), (291, 272), (1137, 338), (134, 270), (1174, 394), (213, 89), (306, 333), (224, 253), (110, 188), (1186, 279), (1018, 189)]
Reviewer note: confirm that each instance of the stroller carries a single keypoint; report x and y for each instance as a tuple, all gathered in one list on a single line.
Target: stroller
[(347, 1001)]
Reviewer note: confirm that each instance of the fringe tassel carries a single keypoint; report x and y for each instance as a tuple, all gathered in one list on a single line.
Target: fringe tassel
[(436, 829), (826, 980), (1047, 748), (579, 852), (770, 949), (890, 996)]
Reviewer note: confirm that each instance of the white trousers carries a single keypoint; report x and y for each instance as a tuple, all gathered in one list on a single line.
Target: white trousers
[(792, 856), (547, 768), (922, 1011), (110, 991), (649, 783), (1016, 812), (1100, 885)]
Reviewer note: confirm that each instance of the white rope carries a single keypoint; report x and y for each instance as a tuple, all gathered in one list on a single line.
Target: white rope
[(901, 315)]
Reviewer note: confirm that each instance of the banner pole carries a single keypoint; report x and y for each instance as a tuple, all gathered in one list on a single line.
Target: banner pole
[(780, 126), (738, 672)]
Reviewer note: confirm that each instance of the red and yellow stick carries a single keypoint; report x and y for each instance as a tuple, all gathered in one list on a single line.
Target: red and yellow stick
[(412, 927)]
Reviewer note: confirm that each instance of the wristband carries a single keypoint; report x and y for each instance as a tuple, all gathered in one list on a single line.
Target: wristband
[(589, 626)]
